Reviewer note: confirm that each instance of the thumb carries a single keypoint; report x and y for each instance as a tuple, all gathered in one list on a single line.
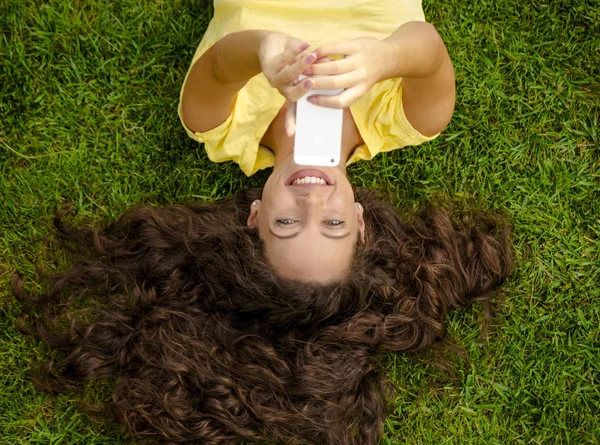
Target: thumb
[(290, 119)]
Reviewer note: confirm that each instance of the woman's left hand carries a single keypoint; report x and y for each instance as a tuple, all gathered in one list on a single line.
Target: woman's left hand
[(366, 62), (290, 115)]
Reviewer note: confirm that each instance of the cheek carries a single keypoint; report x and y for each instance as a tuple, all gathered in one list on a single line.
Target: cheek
[(262, 223), (272, 193), (270, 186), (347, 192)]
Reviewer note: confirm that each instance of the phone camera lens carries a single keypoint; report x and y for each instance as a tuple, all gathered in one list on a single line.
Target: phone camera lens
[(332, 161)]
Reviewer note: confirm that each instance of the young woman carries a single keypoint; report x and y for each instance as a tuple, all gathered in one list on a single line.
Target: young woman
[(238, 99), (260, 318)]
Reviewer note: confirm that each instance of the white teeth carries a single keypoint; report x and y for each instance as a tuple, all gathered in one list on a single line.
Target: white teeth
[(309, 180)]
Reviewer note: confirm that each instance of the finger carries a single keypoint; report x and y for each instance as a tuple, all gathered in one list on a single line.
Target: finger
[(303, 54), (288, 56), (345, 48), (290, 119), (308, 71), (323, 60), (342, 100), (347, 80), (296, 45), (293, 93), (330, 68), (291, 72)]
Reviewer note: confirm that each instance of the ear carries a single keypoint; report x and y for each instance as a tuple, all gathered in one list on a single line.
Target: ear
[(253, 218), (361, 222)]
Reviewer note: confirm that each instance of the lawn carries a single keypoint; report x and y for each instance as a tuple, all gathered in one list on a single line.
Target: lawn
[(88, 98)]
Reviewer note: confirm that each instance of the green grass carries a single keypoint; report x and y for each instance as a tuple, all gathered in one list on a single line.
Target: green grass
[(88, 96)]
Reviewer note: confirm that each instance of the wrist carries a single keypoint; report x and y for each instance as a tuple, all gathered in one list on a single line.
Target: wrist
[(392, 62), (262, 40), (417, 50), (271, 44)]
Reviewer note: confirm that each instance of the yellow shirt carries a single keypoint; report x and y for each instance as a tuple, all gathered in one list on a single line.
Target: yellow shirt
[(378, 115)]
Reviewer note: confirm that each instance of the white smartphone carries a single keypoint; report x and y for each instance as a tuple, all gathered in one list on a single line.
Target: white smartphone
[(318, 138)]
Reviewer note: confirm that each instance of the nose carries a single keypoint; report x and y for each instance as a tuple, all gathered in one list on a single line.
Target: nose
[(311, 201), (314, 195), (313, 198)]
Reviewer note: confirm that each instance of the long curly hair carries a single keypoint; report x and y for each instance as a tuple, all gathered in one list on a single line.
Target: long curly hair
[(208, 346)]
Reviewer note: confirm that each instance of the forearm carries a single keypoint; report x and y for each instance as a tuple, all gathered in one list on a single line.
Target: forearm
[(232, 61), (235, 56), (216, 77), (420, 58), (416, 51)]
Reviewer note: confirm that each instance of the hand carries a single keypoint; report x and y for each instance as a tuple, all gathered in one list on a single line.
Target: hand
[(290, 114), (366, 62), (282, 60)]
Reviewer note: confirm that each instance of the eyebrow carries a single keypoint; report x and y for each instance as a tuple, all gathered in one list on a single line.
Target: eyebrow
[(293, 235)]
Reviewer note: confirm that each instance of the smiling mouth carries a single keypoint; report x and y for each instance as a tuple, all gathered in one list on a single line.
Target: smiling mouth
[(309, 177)]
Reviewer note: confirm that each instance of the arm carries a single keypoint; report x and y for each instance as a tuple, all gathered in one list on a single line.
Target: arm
[(428, 88), (217, 76), (415, 52)]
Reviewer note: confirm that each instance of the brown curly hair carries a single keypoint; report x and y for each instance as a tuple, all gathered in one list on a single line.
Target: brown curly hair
[(208, 346)]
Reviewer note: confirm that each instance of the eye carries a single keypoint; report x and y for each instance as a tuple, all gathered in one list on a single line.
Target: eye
[(334, 223), (285, 221)]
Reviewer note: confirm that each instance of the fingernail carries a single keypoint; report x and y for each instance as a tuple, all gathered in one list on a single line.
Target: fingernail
[(304, 46), (307, 72), (312, 99), (311, 58), (308, 84)]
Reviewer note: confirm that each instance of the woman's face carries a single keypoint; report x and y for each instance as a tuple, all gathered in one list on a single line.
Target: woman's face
[(308, 221)]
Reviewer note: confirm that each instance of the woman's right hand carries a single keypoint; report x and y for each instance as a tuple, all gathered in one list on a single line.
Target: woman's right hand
[(283, 59)]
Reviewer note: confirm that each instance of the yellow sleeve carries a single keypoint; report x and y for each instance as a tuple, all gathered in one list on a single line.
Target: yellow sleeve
[(380, 119), (238, 138), (214, 138)]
